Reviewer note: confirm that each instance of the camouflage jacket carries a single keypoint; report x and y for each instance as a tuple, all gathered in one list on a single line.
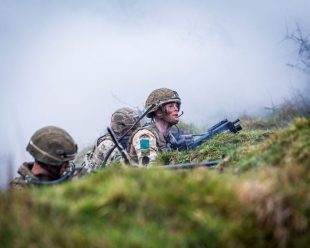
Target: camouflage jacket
[(95, 158), (20, 181), (156, 144), (25, 170)]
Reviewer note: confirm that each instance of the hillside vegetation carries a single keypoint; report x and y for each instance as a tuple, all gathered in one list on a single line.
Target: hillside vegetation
[(257, 197)]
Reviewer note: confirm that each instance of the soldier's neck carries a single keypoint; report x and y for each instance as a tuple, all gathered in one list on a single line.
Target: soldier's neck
[(163, 127)]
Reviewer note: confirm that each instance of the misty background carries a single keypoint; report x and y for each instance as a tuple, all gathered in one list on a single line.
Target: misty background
[(73, 63)]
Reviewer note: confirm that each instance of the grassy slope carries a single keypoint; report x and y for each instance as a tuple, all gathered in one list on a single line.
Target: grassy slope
[(265, 202)]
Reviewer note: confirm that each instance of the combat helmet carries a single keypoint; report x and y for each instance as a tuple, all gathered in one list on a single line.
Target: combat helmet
[(123, 119), (52, 146), (160, 97)]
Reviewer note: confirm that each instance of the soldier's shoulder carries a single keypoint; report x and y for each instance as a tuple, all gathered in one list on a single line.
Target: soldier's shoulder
[(103, 138), (24, 170), (18, 183), (105, 144), (144, 131)]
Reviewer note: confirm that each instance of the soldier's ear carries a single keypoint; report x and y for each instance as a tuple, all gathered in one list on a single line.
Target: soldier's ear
[(159, 112)]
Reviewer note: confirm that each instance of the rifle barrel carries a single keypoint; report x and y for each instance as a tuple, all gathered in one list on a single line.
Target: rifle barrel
[(217, 125), (189, 165)]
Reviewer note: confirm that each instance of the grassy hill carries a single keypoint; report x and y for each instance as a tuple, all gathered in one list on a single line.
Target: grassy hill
[(258, 197)]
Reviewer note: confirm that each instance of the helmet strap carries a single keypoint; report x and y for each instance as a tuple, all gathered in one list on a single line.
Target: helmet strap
[(67, 174)]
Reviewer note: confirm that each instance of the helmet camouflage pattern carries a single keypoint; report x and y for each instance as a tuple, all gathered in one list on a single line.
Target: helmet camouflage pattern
[(160, 97), (123, 119), (52, 146)]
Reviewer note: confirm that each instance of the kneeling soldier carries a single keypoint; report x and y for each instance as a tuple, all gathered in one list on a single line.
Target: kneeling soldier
[(121, 121), (52, 149), (156, 137)]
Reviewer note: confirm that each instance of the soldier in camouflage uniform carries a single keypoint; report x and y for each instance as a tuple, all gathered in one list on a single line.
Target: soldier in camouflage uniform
[(121, 121), (156, 137), (52, 149)]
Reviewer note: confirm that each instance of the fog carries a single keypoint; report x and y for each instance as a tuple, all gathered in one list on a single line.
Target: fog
[(72, 63)]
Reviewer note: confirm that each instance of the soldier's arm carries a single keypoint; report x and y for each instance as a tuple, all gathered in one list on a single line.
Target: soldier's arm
[(101, 152), (144, 143)]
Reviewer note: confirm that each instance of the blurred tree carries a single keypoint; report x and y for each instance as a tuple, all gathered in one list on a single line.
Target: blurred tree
[(302, 41)]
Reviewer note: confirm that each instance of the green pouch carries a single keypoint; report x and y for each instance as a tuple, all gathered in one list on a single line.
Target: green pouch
[(145, 146)]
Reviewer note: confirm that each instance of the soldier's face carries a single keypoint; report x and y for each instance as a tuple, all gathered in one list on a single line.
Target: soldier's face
[(172, 110)]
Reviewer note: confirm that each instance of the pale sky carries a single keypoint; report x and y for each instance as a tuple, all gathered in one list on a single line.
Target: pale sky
[(72, 63)]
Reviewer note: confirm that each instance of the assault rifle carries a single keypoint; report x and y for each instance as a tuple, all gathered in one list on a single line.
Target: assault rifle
[(187, 142)]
